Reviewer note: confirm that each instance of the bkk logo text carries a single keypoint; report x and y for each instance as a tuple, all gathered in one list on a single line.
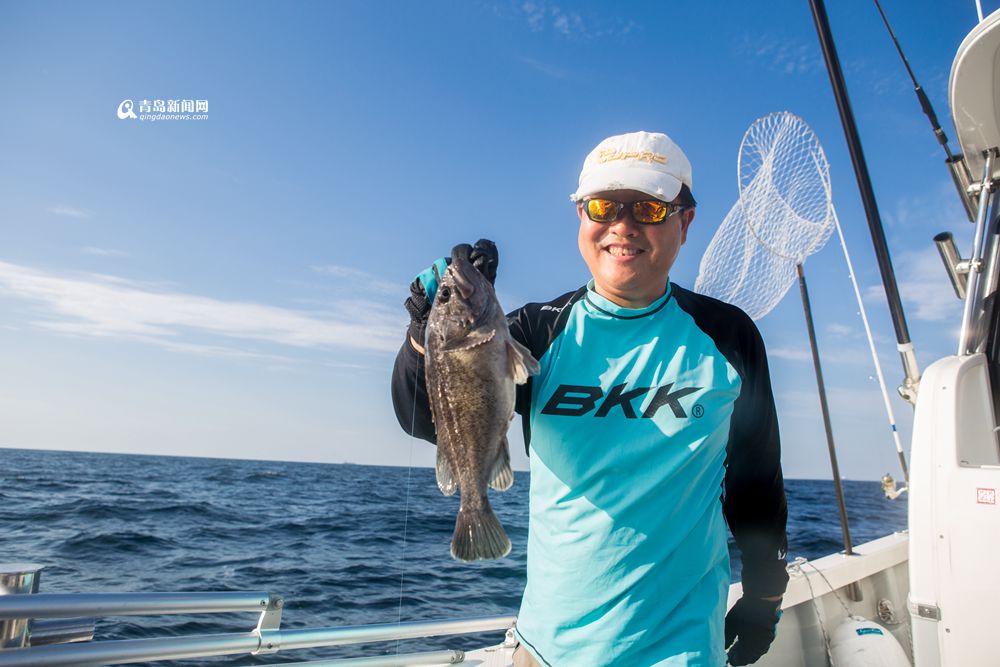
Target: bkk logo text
[(163, 110), (575, 400)]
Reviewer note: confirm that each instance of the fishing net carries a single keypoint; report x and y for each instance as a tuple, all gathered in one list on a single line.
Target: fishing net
[(784, 214)]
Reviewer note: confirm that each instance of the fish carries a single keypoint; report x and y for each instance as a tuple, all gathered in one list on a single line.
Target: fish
[(472, 366)]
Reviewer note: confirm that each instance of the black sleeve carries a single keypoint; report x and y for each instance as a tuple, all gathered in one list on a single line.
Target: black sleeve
[(409, 394), (521, 325), (754, 491), (754, 504)]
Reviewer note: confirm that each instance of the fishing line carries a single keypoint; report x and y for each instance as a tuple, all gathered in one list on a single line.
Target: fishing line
[(875, 360), (797, 566), (406, 511)]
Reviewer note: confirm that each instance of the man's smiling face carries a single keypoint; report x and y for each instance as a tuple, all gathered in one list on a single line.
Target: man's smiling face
[(630, 261)]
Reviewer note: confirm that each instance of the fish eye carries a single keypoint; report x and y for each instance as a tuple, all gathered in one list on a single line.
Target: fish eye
[(444, 294)]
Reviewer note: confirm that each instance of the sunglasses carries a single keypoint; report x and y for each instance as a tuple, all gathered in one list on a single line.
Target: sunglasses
[(646, 212)]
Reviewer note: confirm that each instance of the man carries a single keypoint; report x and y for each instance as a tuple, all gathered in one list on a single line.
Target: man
[(650, 426)]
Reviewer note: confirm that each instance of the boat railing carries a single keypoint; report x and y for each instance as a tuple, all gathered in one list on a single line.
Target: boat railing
[(67, 605), (266, 637)]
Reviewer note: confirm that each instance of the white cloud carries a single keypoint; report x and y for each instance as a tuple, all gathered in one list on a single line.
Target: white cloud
[(863, 438), (542, 16), (926, 210), (364, 281), (546, 69), (68, 211), (561, 23), (830, 357), (104, 252), (922, 280), (924, 287), (789, 353), (861, 406), (114, 307), (782, 54), (841, 330)]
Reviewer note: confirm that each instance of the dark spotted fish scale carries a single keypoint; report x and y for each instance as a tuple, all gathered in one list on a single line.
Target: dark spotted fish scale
[(472, 367)]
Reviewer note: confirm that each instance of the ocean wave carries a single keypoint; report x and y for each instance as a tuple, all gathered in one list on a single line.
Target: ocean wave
[(107, 545), (337, 542)]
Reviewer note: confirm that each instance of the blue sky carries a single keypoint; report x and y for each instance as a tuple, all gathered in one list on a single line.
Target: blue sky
[(232, 286)]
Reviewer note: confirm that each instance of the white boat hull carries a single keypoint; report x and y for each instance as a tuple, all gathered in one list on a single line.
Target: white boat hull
[(817, 601)]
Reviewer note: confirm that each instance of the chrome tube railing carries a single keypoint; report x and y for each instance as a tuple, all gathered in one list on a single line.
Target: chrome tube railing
[(68, 605), (408, 659), (124, 651), (258, 641), (974, 293), (362, 634)]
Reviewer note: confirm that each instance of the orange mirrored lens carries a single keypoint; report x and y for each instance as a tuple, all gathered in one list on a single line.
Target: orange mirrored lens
[(602, 210), (649, 211)]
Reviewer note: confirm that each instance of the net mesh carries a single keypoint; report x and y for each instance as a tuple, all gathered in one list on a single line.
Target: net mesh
[(784, 214)]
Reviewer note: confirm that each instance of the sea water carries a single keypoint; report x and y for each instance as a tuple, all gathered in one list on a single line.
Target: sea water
[(342, 544)]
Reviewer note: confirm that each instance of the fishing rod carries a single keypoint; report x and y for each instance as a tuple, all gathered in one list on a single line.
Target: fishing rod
[(925, 103), (956, 163), (911, 381)]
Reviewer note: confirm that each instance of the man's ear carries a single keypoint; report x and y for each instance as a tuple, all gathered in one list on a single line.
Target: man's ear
[(687, 217)]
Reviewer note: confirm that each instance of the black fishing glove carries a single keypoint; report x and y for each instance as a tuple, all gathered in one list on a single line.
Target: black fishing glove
[(752, 622), (484, 257)]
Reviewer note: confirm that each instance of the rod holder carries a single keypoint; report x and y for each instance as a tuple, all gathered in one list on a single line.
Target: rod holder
[(17, 579), (968, 335), (957, 268), (61, 631), (963, 183)]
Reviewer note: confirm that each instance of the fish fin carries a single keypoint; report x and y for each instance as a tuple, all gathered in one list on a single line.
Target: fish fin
[(502, 477), (445, 480), (478, 535), (473, 339), (522, 364)]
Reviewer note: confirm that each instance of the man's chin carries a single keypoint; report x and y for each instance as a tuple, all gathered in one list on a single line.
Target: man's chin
[(622, 277)]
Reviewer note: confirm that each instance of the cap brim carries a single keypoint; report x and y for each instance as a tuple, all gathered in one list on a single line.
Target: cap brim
[(655, 184)]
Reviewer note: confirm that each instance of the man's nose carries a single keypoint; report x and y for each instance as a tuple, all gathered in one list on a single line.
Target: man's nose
[(624, 225)]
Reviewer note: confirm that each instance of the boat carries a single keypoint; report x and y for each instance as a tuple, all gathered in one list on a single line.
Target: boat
[(923, 597)]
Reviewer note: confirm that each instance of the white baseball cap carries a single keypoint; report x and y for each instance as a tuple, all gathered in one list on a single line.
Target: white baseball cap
[(649, 162)]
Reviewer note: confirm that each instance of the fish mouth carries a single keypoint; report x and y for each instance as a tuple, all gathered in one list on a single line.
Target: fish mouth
[(460, 266)]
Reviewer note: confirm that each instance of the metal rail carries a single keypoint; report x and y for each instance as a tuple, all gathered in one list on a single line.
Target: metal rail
[(408, 659), (257, 641), (69, 605), (967, 337), (361, 634)]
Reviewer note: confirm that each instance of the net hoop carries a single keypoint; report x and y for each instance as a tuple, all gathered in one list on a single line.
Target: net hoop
[(784, 185)]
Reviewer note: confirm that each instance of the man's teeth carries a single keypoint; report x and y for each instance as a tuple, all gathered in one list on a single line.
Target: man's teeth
[(619, 251)]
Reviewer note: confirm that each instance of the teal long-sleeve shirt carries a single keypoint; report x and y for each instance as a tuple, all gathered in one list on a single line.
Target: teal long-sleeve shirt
[(648, 431)]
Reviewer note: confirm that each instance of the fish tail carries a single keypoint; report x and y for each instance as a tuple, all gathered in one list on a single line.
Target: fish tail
[(478, 535)]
